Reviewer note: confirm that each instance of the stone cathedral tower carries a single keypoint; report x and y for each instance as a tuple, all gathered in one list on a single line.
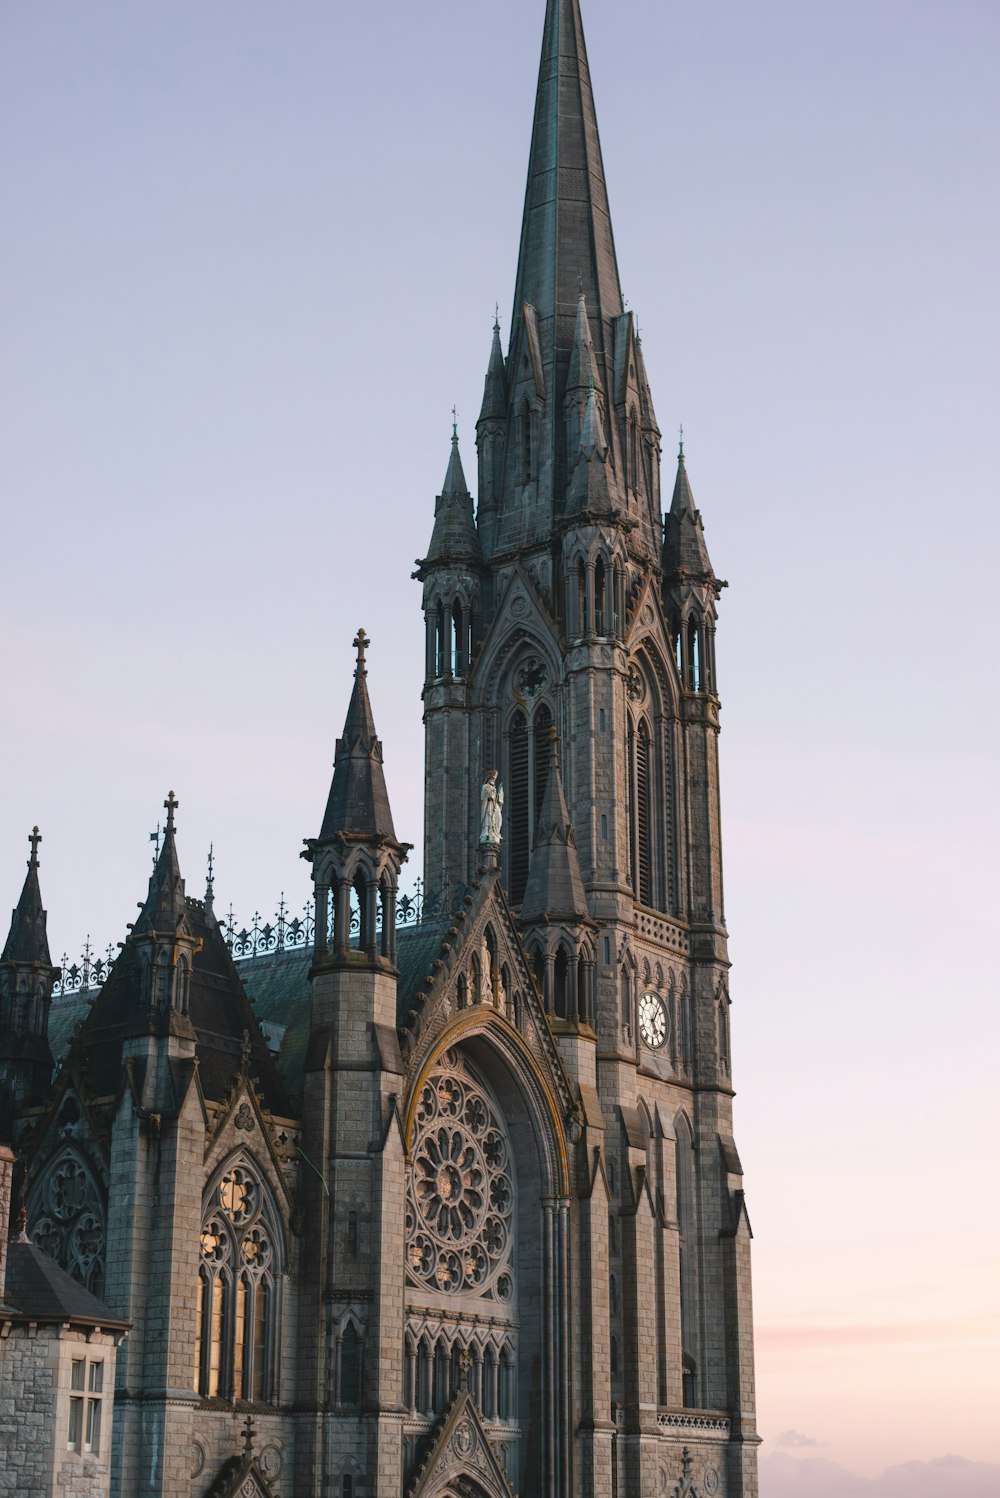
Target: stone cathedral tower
[(571, 644), (445, 1202)]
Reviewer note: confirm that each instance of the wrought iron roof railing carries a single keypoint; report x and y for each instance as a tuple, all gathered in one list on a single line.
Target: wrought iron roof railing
[(261, 938)]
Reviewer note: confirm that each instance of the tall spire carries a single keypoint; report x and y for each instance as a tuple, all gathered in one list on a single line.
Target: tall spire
[(554, 890), (27, 940), (164, 906), (567, 244), (358, 804)]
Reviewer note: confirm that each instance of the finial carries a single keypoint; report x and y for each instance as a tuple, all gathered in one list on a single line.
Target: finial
[(496, 317), (245, 1052), (552, 734), (680, 452), (210, 881), (154, 837), (454, 424), (171, 804), (34, 838), (249, 1432), (579, 283), (361, 643), (464, 1368)]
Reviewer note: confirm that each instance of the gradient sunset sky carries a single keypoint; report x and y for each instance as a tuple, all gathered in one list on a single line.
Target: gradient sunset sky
[(250, 259)]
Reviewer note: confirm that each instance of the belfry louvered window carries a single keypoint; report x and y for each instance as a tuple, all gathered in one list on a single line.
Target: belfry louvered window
[(640, 822), (517, 801), (542, 745), (644, 859), (529, 760)]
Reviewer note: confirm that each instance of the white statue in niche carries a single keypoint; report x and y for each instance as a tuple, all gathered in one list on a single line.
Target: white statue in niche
[(491, 811)]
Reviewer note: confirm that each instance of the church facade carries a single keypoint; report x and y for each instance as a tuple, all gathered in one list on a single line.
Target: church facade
[(451, 1205)]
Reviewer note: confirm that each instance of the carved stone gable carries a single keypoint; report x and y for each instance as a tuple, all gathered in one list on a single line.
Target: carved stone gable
[(461, 1460)]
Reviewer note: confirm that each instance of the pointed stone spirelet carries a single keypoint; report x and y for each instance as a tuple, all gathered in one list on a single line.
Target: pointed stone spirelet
[(358, 804), (584, 373), (684, 548), (494, 407), (454, 538), (27, 940), (555, 881), (164, 906)]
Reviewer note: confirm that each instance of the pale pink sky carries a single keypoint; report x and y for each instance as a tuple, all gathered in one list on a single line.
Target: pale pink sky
[(250, 260)]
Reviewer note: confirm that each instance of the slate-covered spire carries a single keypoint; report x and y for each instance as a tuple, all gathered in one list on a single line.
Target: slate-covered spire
[(27, 940), (358, 806), (554, 891), (567, 244), (454, 538), (684, 549), (164, 905), (494, 407)]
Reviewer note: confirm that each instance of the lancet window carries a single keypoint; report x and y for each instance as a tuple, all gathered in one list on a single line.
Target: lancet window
[(67, 1220), (238, 1282)]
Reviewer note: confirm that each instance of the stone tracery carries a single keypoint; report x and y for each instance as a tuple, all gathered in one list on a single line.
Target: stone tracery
[(461, 1195)]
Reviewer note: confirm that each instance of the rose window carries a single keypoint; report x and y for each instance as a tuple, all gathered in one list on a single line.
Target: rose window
[(461, 1194)]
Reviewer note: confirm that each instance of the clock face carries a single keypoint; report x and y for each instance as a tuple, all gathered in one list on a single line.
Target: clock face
[(652, 1020)]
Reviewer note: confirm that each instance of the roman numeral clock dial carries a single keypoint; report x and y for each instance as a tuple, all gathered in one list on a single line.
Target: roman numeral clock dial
[(652, 1020)]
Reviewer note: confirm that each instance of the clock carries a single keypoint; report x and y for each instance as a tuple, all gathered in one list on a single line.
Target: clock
[(652, 1020)]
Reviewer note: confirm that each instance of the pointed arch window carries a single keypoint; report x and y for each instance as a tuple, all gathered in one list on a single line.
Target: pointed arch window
[(529, 760), (237, 1303), (66, 1213), (600, 598)]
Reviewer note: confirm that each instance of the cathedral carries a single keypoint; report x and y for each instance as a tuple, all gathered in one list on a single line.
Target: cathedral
[(436, 1199)]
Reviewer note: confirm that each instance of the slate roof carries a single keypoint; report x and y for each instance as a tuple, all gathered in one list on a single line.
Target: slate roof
[(218, 1009), (278, 987), (39, 1290), (277, 990)]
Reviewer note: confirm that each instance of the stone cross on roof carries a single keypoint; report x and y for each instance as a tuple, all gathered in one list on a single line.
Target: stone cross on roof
[(361, 643), (171, 804)]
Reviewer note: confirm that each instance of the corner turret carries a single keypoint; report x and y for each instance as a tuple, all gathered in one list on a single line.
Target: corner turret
[(357, 850), (690, 586)]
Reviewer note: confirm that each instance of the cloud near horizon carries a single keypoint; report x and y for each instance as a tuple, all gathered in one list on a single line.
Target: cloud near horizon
[(961, 1329), (784, 1476), (795, 1438)]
